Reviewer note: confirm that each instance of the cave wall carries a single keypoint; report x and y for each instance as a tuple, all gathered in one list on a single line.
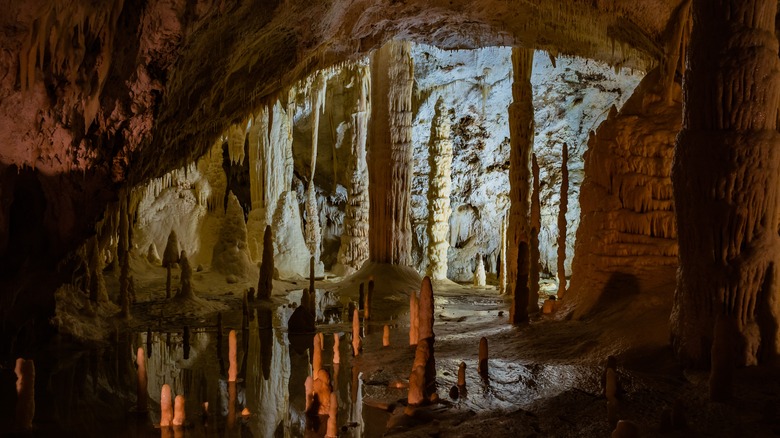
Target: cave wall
[(627, 227)]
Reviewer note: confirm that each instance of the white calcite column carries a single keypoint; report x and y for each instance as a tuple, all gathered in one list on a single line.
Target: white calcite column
[(390, 154), (725, 178), (439, 189), (353, 251)]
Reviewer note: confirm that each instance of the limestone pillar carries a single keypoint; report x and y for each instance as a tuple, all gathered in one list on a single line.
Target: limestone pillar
[(390, 154), (563, 208), (725, 178), (313, 231), (521, 131), (536, 225), (353, 251), (439, 189)]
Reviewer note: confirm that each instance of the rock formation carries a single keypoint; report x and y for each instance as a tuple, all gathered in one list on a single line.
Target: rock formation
[(521, 122), (332, 427), (25, 394), (386, 336), (479, 273), (482, 367), (725, 179), (231, 252), (97, 284), (439, 188), (414, 321), (462, 374), (179, 415), (265, 285), (316, 360), (166, 406), (390, 154), (536, 224), (353, 251), (356, 344), (232, 357), (170, 256), (313, 231), (562, 221), (152, 255), (185, 291)]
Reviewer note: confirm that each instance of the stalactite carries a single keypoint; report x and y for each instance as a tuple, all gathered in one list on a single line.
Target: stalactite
[(439, 189), (564, 205), (390, 154), (313, 231), (536, 225), (521, 123), (258, 143), (236, 136), (353, 251), (725, 178)]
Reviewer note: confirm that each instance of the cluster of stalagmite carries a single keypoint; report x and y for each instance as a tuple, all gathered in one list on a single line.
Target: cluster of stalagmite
[(627, 223), (439, 188), (353, 251), (725, 181), (563, 207), (390, 154), (521, 129)]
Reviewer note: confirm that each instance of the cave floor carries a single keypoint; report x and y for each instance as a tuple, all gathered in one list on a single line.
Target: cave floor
[(544, 378)]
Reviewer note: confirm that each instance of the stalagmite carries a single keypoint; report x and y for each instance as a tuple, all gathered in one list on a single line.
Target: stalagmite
[(479, 273), (142, 391), (97, 287), (462, 374), (25, 394), (336, 352), (564, 205), (185, 291), (355, 333), (367, 299), (316, 361), (313, 231), (390, 154), (425, 313), (265, 285), (308, 386), (416, 393), (386, 336), (166, 406), (502, 263), (521, 131), (439, 189), (230, 255), (414, 311), (482, 367), (536, 225), (333, 428), (152, 255), (725, 178), (353, 251), (170, 256), (179, 415), (323, 390), (312, 290), (232, 357)]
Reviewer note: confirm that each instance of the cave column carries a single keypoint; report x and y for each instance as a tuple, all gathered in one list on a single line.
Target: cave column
[(353, 251), (725, 178), (390, 154), (313, 230), (521, 131), (439, 189)]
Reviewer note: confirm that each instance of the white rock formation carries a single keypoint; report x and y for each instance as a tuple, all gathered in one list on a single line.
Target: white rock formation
[(312, 230), (479, 273), (231, 252), (353, 251), (291, 256), (440, 187), (390, 154)]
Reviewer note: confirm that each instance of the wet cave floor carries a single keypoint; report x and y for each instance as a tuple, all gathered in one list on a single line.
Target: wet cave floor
[(544, 379)]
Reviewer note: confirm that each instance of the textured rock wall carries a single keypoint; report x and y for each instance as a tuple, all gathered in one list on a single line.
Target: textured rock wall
[(627, 224)]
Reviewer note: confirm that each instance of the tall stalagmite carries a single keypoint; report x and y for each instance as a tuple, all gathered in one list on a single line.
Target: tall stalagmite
[(265, 285), (439, 188), (313, 231), (353, 251), (521, 131), (564, 206), (170, 256), (536, 225), (390, 154), (725, 178)]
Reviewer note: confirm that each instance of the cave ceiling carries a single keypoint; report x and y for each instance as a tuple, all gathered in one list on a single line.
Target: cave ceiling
[(136, 89)]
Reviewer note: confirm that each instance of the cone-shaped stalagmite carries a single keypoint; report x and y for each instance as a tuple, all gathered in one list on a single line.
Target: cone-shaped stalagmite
[(353, 251), (564, 206), (390, 154), (482, 367), (414, 320), (265, 285), (725, 178), (536, 224), (479, 273), (166, 406), (386, 336), (521, 130), (170, 256), (439, 188), (356, 345), (178, 411)]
